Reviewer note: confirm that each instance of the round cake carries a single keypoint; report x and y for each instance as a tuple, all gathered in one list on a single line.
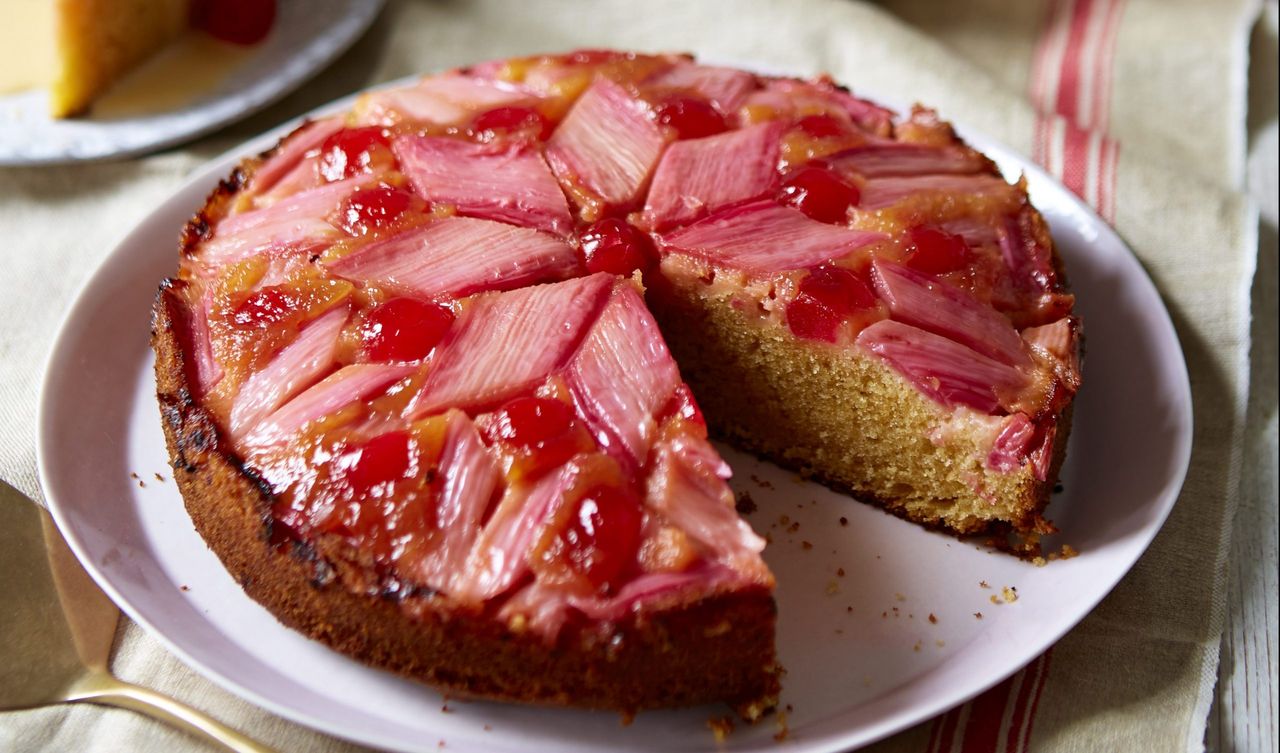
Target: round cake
[(438, 374)]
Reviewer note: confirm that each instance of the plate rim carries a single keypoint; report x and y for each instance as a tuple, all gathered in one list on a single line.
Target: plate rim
[(210, 172)]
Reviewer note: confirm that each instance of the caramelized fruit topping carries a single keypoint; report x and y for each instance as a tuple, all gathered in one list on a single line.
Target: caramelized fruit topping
[(372, 468), (541, 432), (683, 405), (822, 126), (531, 422), (237, 21)]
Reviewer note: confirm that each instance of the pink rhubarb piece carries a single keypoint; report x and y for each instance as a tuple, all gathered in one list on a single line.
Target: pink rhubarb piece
[(607, 144), (702, 175), (440, 100), (764, 237), (457, 256), (621, 374), (511, 184), (505, 343)]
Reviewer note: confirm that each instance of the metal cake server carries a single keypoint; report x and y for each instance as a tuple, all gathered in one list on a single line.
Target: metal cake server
[(57, 627)]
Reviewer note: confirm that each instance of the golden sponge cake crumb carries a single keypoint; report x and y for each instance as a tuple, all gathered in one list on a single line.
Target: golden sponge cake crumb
[(98, 41)]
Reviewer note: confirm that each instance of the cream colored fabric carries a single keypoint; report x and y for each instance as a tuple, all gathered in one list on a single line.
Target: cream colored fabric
[(1139, 671)]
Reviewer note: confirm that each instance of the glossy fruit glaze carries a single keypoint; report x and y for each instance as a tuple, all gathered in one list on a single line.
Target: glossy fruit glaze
[(420, 322)]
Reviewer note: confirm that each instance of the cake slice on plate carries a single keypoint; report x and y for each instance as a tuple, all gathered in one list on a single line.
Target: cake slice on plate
[(78, 49)]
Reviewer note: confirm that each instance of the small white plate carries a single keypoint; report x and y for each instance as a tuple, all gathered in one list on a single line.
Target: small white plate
[(864, 660), (231, 83)]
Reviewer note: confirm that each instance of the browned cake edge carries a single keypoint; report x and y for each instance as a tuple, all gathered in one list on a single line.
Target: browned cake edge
[(718, 648)]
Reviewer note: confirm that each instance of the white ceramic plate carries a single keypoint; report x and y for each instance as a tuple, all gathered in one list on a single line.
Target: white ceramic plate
[(863, 658), (307, 36)]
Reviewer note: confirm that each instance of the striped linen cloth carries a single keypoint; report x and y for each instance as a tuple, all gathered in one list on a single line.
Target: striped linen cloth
[(1136, 105)]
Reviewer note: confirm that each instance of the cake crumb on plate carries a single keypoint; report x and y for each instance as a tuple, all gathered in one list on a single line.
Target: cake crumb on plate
[(721, 727)]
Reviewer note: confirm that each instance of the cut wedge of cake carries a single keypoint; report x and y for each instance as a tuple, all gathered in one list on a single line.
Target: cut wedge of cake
[(428, 369), (78, 49)]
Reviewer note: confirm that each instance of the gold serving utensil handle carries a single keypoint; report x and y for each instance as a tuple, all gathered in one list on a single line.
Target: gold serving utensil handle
[(102, 688), (57, 629)]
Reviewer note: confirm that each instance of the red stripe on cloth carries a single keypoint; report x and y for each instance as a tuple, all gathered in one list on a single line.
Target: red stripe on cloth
[(1102, 66), (1039, 154), (1043, 69), (944, 728), (1075, 159), (1035, 700), (1034, 674), (1110, 161), (935, 735), (986, 712), (1044, 74), (1072, 70), (1109, 149)]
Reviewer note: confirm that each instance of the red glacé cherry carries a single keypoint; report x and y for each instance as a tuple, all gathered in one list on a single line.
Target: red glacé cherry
[(683, 404), (692, 118), (531, 422), (826, 297), (612, 245), (934, 252), (511, 120), (403, 329), (264, 306), (540, 430), (601, 539), (368, 209), (236, 21), (350, 151), (819, 193), (821, 126), (382, 460)]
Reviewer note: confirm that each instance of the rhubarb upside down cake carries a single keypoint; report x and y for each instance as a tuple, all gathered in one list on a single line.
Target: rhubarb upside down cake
[(437, 373)]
